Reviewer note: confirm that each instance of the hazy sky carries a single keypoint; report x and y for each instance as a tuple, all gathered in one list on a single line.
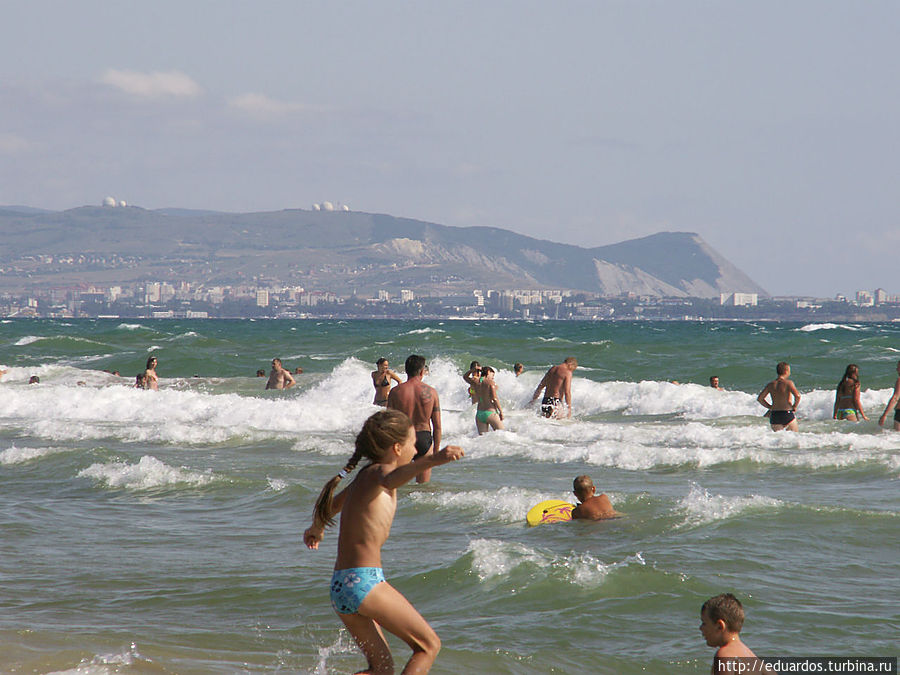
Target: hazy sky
[(769, 128)]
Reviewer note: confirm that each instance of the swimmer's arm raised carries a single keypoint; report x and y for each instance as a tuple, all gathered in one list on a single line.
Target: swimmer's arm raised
[(403, 474)]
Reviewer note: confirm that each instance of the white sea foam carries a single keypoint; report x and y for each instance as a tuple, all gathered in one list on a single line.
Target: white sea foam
[(28, 339), (700, 507), (14, 455), (506, 504), (424, 331), (811, 327), (495, 558), (325, 415), (276, 484), (129, 326), (148, 473), (105, 664)]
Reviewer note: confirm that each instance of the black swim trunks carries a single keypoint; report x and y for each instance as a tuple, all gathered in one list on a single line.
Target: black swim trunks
[(550, 405), (783, 417), (423, 442), (897, 414)]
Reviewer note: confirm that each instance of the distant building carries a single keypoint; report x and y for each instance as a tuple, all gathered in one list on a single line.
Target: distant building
[(384, 296), (407, 295), (881, 296), (738, 299), (262, 298), (152, 292), (864, 299)]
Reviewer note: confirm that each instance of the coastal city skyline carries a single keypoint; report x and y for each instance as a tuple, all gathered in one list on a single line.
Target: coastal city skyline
[(767, 129)]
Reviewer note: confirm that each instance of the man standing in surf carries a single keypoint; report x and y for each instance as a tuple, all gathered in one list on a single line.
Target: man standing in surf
[(421, 404), (280, 377), (558, 384), (781, 389)]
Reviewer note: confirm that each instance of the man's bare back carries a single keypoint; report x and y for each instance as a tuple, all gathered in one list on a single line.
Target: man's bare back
[(417, 400), (782, 391), (557, 383), (421, 404), (597, 507)]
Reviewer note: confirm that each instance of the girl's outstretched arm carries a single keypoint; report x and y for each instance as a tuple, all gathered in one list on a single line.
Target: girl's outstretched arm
[(403, 474)]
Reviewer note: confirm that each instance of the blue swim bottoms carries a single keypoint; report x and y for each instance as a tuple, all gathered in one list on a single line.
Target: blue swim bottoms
[(349, 587)]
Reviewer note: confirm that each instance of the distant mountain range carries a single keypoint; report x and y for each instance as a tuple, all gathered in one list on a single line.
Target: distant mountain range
[(349, 251)]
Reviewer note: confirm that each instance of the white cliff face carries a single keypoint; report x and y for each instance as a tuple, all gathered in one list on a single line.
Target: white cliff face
[(615, 279)]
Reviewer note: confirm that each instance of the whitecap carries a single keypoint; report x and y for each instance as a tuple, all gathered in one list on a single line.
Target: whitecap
[(700, 507), (14, 455), (148, 473), (810, 327), (424, 331), (494, 558), (506, 504)]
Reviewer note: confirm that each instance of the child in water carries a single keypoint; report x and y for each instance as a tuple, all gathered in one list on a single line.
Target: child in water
[(721, 620), (364, 601)]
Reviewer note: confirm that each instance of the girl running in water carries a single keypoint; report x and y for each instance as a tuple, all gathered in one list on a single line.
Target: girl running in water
[(364, 601)]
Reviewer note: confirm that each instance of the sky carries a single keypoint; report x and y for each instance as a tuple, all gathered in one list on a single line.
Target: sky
[(770, 128)]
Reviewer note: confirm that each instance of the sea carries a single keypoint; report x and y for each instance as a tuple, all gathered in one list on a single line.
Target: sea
[(160, 531)]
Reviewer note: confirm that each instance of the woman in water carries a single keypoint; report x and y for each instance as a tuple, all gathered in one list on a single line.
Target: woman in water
[(151, 379), (489, 414), (365, 602), (847, 405), (381, 379)]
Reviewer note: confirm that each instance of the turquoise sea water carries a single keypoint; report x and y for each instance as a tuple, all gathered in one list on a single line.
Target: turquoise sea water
[(159, 532)]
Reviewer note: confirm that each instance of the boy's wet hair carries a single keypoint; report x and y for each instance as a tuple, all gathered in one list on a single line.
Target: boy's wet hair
[(727, 608), (781, 368), (378, 434), (571, 360)]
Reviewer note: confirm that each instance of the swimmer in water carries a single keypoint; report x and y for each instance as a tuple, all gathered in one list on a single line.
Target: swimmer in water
[(381, 380)]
